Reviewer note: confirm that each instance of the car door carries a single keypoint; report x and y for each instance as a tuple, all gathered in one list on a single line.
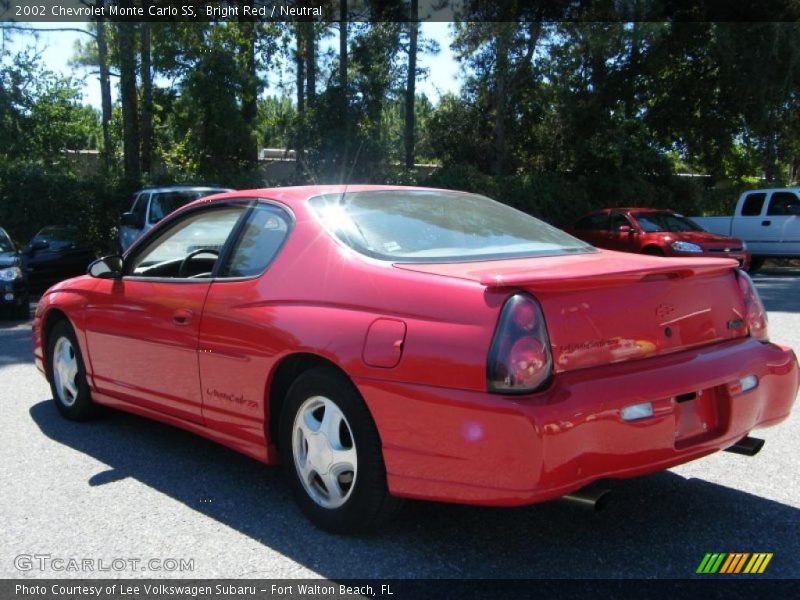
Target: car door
[(593, 229), (239, 342), (783, 218), (623, 241), (752, 225), (127, 233), (142, 329)]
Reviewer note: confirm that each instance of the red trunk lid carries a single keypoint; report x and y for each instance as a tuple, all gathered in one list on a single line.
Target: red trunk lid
[(607, 307)]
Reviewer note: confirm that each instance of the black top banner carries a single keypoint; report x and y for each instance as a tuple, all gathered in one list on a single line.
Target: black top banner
[(76, 11)]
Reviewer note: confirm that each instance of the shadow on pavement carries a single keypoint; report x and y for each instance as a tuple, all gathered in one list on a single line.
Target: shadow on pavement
[(656, 526), (16, 344), (779, 289)]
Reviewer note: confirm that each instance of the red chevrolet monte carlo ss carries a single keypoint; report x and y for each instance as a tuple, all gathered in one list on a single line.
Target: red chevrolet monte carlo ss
[(387, 342)]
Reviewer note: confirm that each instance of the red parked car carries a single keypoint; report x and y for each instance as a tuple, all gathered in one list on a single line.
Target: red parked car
[(655, 231), (387, 342)]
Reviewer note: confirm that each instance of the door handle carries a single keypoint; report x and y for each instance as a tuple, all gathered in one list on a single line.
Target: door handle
[(766, 223), (182, 316)]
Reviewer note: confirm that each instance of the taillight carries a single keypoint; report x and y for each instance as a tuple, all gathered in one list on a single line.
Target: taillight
[(756, 316), (519, 358)]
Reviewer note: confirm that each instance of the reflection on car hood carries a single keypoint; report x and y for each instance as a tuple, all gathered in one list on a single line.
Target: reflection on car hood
[(704, 237), (9, 259)]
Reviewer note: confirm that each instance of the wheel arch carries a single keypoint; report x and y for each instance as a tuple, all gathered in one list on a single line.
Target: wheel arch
[(288, 369), (52, 318)]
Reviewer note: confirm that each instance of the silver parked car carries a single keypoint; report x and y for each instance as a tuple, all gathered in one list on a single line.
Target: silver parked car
[(150, 205)]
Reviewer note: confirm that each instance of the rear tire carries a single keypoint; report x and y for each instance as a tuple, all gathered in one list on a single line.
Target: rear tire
[(331, 453), (67, 374)]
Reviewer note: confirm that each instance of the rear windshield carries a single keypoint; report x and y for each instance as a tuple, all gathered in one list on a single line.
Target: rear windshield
[(664, 221), (438, 226)]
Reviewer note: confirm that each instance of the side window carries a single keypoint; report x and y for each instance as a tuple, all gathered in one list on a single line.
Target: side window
[(618, 220), (753, 203), (266, 229), (782, 204), (188, 248), (164, 203)]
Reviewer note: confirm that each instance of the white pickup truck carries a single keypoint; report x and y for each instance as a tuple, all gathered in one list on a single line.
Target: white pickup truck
[(768, 220)]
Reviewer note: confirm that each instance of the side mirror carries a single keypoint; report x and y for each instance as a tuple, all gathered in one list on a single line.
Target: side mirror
[(108, 267), (132, 220), (793, 209), (625, 229)]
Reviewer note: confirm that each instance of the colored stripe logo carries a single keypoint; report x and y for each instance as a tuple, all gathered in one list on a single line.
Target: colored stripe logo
[(733, 563)]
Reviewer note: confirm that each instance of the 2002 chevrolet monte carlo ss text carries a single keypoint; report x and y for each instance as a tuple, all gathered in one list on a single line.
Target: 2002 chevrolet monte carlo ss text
[(391, 342)]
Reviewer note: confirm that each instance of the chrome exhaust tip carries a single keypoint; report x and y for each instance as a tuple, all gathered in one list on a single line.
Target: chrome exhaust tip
[(747, 446), (590, 497)]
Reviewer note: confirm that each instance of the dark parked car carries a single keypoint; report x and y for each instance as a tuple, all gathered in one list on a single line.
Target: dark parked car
[(13, 283), (54, 254), (150, 205)]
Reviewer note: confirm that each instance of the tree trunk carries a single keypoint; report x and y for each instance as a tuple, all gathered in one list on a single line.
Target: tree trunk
[(343, 44), (311, 63), (501, 79), (300, 63), (105, 93), (411, 84), (250, 93), (343, 84), (130, 115), (147, 100)]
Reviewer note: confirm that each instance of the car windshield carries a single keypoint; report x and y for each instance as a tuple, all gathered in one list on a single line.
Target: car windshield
[(665, 221), (163, 203), (56, 234), (5, 242), (438, 226)]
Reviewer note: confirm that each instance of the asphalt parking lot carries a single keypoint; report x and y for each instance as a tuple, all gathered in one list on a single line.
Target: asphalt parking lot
[(122, 487)]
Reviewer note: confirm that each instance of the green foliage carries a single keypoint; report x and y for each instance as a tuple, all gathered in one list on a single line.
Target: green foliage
[(32, 197), (555, 117), (275, 116), (41, 114)]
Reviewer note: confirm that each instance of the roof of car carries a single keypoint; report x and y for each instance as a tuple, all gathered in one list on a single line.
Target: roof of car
[(774, 189), (182, 188), (645, 210), (630, 209)]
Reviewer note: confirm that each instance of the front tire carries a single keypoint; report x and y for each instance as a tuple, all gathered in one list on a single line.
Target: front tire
[(67, 374), (332, 455)]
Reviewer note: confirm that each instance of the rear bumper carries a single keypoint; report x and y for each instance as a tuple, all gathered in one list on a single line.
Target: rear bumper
[(480, 448)]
